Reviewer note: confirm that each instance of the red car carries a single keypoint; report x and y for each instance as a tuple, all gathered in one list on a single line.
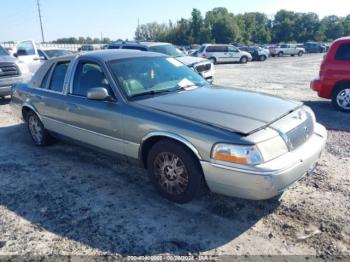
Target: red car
[(334, 80)]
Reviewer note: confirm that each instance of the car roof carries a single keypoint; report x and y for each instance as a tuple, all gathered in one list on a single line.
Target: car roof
[(116, 54), (108, 55)]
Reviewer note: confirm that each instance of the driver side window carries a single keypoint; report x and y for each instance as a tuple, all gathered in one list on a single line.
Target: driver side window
[(89, 75)]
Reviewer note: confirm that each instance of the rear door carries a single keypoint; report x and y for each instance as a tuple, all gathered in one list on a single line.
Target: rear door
[(28, 53), (97, 123), (49, 98)]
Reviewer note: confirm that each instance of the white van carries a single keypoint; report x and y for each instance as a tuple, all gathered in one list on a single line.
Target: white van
[(217, 53)]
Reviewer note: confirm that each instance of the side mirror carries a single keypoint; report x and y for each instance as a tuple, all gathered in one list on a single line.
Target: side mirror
[(15, 54), (42, 58), (99, 93)]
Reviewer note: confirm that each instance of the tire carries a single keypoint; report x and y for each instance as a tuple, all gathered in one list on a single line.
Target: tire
[(243, 60), (176, 187), (262, 58), (341, 98), (213, 60), (301, 53), (280, 54), (37, 131)]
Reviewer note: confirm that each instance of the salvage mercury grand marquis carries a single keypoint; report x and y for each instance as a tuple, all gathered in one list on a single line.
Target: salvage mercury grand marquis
[(151, 109)]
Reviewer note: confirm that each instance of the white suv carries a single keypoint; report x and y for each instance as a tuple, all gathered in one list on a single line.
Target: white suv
[(223, 54)]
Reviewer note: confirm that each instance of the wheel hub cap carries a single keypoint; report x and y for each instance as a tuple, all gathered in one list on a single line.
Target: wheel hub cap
[(35, 129), (171, 173), (343, 98)]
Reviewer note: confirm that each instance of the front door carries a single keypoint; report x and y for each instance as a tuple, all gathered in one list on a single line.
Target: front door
[(97, 123)]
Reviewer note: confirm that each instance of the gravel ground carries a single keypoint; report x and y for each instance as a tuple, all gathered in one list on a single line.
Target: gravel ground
[(67, 200)]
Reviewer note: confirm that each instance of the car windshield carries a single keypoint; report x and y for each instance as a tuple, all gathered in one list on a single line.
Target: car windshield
[(57, 53), (3, 51), (147, 76), (169, 50)]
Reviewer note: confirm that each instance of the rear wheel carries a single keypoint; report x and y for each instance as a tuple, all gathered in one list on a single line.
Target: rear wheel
[(213, 60), (37, 131), (341, 98), (243, 60), (262, 58), (280, 54), (174, 171)]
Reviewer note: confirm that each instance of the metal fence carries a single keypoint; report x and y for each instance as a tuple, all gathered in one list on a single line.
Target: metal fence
[(71, 47)]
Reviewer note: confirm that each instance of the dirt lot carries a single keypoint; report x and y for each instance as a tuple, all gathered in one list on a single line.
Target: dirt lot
[(68, 200)]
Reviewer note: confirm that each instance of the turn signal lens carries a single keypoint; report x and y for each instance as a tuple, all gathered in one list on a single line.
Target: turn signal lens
[(244, 155)]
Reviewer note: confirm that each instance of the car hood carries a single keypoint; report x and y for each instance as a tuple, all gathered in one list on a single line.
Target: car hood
[(234, 110), (7, 59), (190, 60)]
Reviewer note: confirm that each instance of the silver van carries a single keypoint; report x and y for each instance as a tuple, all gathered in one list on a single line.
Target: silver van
[(223, 54)]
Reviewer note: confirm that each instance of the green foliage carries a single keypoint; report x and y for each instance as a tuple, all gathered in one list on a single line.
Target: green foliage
[(82, 40), (221, 26)]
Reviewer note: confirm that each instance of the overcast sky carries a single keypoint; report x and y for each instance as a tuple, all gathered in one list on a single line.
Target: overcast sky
[(118, 18)]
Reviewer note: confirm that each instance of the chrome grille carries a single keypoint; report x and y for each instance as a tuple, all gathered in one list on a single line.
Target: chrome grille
[(299, 135), (202, 67), (8, 70)]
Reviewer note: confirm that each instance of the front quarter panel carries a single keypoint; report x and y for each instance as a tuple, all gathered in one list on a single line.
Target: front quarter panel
[(145, 122)]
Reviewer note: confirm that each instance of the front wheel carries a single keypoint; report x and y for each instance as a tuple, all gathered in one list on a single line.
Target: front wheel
[(341, 98), (280, 54), (37, 131), (174, 171), (244, 60), (300, 53)]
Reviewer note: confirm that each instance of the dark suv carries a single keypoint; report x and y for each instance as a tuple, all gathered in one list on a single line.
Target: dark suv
[(314, 47), (203, 66)]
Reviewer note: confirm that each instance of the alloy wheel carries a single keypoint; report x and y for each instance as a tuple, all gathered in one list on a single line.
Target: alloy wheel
[(343, 99), (171, 173), (36, 129)]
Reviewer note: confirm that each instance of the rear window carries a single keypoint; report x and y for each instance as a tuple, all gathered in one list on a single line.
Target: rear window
[(343, 53)]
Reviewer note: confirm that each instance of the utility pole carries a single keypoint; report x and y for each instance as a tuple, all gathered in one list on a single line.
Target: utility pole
[(41, 22)]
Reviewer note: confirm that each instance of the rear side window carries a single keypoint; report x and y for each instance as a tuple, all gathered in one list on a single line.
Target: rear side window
[(58, 76), (46, 78), (343, 53)]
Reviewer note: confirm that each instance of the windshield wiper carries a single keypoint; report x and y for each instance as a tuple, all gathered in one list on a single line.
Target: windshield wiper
[(151, 93)]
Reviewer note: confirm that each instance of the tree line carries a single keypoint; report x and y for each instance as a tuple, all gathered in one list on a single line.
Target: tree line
[(82, 40), (221, 26)]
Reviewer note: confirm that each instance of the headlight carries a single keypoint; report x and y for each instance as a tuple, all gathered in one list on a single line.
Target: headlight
[(309, 111), (246, 155), (272, 148)]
